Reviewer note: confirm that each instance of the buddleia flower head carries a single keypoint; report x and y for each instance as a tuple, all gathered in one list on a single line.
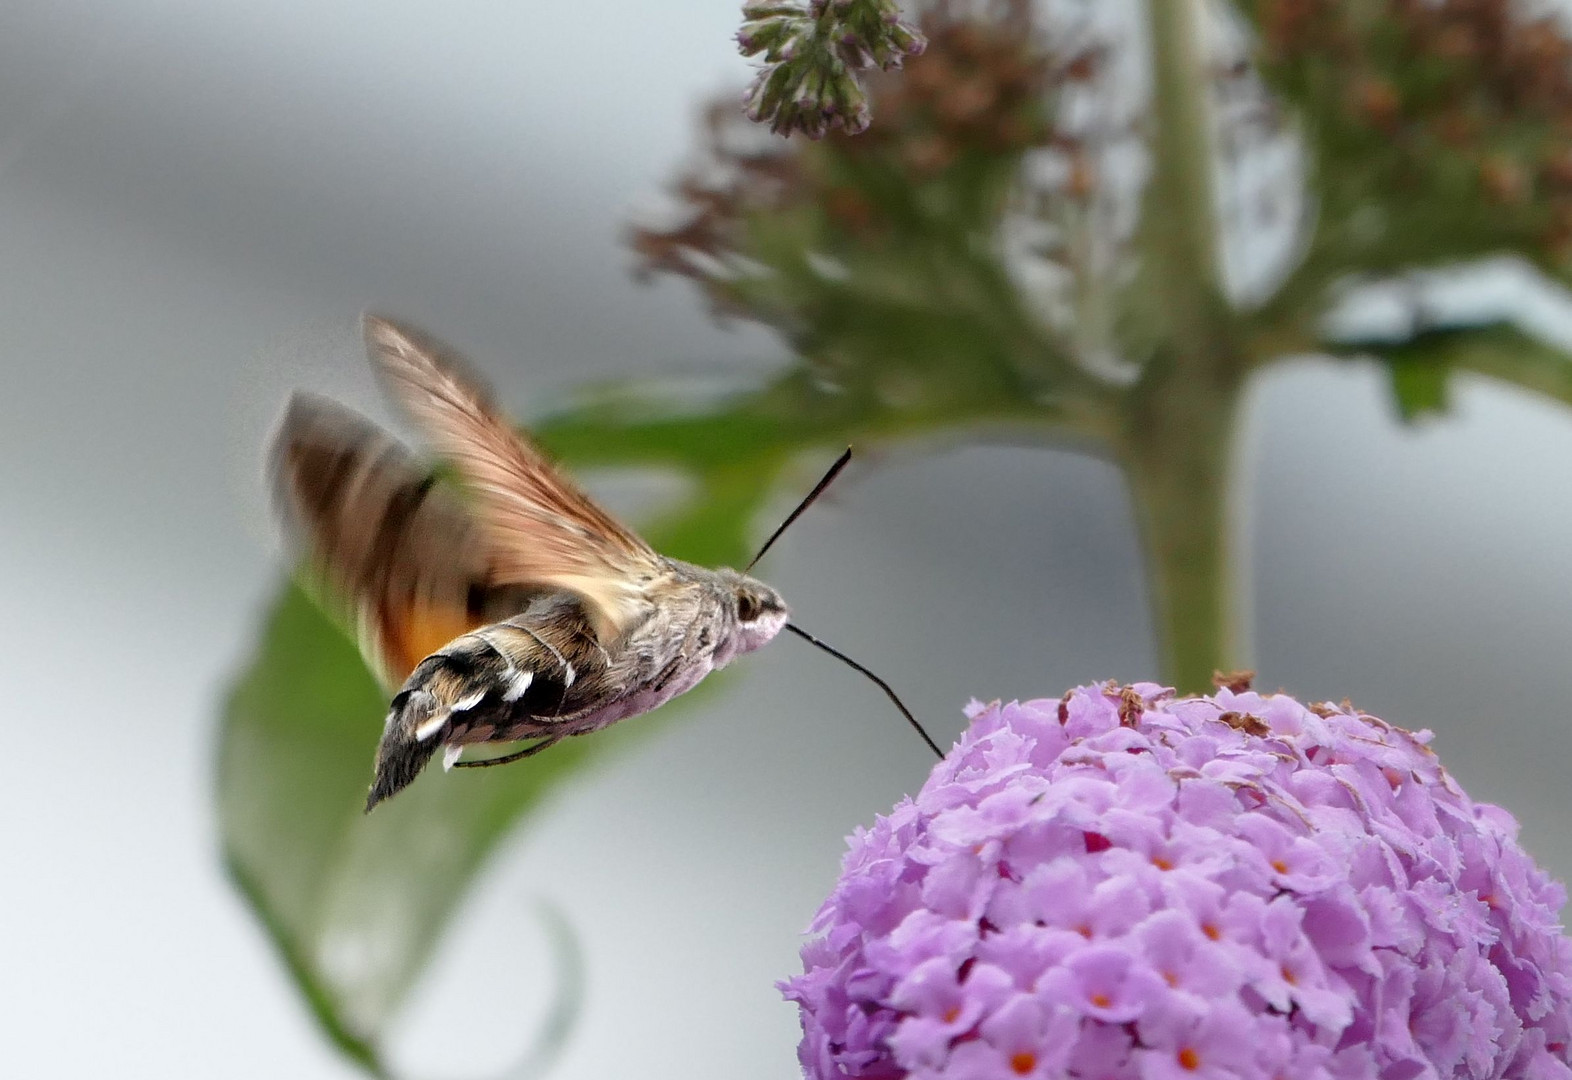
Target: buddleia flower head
[(1126, 884)]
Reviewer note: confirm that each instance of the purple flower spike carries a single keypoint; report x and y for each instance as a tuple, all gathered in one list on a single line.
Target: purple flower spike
[(1125, 885)]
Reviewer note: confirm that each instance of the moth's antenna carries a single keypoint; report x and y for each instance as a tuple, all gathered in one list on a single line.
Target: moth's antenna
[(800, 632), (818, 489)]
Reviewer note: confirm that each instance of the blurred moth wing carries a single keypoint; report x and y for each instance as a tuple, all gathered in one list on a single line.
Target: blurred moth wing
[(394, 552), (411, 560), (542, 528)]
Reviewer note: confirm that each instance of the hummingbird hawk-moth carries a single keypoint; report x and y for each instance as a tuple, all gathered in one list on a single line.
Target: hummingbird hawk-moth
[(507, 608)]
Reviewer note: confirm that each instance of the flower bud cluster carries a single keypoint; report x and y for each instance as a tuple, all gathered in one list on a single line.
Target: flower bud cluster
[(813, 56)]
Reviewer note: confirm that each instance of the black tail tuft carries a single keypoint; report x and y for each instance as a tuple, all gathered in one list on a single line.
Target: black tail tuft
[(398, 763), (400, 756)]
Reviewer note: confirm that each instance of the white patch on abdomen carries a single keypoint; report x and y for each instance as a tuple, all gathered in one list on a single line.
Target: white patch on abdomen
[(518, 682)]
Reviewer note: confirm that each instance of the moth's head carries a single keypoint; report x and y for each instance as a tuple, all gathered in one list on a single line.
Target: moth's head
[(759, 610)]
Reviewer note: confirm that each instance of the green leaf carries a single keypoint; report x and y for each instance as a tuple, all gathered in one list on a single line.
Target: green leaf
[(355, 903), (1503, 352), (1421, 366), (1419, 384)]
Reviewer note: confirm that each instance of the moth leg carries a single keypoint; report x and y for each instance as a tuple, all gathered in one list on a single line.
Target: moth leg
[(517, 755)]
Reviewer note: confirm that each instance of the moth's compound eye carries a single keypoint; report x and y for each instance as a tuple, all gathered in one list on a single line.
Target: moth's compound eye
[(748, 607)]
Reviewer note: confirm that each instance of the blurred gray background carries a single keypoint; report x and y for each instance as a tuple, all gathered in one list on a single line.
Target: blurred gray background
[(196, 202)]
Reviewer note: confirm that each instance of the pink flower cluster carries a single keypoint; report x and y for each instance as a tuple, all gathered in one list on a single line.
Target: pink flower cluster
[(1123, 884)]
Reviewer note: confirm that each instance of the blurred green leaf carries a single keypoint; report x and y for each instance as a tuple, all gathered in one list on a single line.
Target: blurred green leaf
[(1421, 366), (1419, 383), (354, 902)]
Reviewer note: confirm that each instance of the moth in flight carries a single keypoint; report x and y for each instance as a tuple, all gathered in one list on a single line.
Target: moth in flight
[(511, 608)]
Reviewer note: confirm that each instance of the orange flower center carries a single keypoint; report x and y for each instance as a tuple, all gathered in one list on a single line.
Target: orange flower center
[(1280, 866), (951, 1014), (1102, 1001), (1211, 931), (1023, 1062), (1189, 1060)]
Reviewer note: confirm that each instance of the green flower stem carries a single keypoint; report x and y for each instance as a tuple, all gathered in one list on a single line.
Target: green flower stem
[(1178, 434), (1179, 220), (1177, 454)]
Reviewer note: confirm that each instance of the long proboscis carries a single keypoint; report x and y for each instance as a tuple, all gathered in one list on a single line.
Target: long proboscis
[(818, 489), (843, 658)]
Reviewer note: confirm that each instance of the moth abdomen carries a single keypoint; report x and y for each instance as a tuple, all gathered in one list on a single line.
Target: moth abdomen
[(501, 683)]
